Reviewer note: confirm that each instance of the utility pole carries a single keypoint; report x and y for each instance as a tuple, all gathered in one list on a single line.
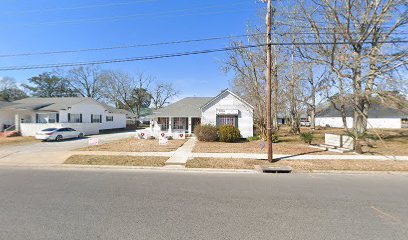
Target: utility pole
[(268, 80)]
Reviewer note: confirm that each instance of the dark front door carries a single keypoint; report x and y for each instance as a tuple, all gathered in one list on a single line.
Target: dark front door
[(195, 122)]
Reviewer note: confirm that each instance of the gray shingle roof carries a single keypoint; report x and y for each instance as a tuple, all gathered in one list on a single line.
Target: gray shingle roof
[(186, 107), (375, 111), (52, 104)]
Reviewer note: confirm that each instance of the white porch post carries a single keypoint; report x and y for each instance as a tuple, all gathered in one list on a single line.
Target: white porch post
[(189, 125), (170, 124), (17, 122)]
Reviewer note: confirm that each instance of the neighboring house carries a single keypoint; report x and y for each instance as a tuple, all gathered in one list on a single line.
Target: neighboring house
[(31, 115), (225, 109), (379, 116)]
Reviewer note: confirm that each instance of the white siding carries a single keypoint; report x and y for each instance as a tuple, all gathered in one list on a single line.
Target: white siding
[(30, 129), (372, 122), (228, 101)]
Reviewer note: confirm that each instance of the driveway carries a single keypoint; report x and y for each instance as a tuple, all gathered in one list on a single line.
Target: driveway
[(52, 152), (101, 204)]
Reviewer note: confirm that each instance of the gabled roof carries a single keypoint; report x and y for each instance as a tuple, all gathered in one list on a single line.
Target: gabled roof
[(52, 104), (226, 91), (375, 111), (186, 107)]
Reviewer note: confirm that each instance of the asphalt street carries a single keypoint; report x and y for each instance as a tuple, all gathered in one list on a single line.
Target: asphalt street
[(129, 204)]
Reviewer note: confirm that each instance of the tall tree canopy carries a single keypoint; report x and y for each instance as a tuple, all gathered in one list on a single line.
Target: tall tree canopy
[(9, 91), (49, 85)]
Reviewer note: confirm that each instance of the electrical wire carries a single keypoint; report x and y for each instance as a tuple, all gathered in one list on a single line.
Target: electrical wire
[(170, 55)]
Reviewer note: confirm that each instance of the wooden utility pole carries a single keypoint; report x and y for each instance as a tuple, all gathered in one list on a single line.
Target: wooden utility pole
[(268, 81)]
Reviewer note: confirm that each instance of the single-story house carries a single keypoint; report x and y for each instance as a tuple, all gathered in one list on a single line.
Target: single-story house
[(226, 108), (87, 115), (379, 116)]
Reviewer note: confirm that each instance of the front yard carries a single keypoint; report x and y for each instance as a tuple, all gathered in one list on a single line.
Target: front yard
[(18, 140), (301, 165), (136, 145), (116, 160), (392, 142)]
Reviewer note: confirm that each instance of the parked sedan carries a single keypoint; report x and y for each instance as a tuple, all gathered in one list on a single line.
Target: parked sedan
[(58, 134)]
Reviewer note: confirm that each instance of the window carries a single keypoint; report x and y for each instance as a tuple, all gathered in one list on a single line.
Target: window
[(226, 120), (180, 123), (96, 118), (74, 118), (46, 118), (109, 118), (164, 123), (404, 122)]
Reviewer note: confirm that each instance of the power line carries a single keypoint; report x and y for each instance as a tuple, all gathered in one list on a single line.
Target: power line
[(170, 55), (78, 7), (164, 13), (153, 44)]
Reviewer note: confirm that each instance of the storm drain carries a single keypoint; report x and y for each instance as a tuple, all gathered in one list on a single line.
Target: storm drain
[(273, 169)]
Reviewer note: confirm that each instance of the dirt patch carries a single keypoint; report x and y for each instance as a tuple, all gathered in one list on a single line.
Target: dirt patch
[(117, 160), (137, 145), (17, 140), (301, 165)]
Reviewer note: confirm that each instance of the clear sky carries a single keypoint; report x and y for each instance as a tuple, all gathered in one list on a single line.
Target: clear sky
[(49, 25)]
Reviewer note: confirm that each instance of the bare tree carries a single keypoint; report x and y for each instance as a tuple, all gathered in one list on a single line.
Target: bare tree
[(365, 59), (86, 81), (161, 94)]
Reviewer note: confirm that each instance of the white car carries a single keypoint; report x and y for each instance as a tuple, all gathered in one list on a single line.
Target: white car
[(58, 134)]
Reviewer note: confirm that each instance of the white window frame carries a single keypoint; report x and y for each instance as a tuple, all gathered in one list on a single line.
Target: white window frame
[(226, 120), (49, 117), (109, 118), (96, 120), (180, 123), (74, 118), (164, 123)]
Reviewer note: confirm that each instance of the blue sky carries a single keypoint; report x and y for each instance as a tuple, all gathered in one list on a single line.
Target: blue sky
[(47, 25)]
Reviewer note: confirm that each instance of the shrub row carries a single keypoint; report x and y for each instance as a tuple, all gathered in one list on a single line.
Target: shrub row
[(210, 133)]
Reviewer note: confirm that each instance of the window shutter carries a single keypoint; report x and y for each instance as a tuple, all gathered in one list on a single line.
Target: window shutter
[(69, 117), (80, 118), (217, 120), (57, 118), (236, 121), (36, 118), (92, 118), (100, 118)]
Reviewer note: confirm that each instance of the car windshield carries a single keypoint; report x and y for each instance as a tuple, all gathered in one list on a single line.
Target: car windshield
[(49, 129)]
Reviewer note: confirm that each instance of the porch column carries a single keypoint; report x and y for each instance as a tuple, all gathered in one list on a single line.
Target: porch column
[(189, 125), (170, 124), (17, 122)]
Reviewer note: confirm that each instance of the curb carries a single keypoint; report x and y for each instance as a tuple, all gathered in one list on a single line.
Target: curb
[(180, 169)]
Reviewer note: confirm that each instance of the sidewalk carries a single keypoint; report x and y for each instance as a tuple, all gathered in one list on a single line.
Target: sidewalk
[(182, 154)]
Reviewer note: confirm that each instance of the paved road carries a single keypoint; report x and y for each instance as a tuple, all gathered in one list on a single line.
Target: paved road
[(51, 152), (119, 204)]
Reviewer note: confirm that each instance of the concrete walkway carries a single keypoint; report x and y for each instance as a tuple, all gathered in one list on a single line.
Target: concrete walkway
[(182, 154)]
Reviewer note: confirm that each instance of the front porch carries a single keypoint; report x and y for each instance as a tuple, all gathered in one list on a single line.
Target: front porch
[(174, 124)]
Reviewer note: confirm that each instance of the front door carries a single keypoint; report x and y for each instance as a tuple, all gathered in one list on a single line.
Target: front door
[(194, 123)]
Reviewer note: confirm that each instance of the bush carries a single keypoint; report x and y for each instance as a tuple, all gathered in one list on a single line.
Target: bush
[(152, 138), (229, 133), (206, 133), (275, 138), (169, 138), (307, 137), (254, 138)]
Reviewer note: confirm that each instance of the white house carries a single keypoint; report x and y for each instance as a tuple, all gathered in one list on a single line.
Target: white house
[(87, 115), (379, 116), (225, 109)]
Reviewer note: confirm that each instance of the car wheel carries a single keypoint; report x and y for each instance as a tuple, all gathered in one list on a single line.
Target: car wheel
[(58, 138), (81, 135)]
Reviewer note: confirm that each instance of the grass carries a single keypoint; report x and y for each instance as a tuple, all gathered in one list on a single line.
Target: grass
[(18, 140), (136, 145), (392, 142), (116, 160), (301, 165)]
